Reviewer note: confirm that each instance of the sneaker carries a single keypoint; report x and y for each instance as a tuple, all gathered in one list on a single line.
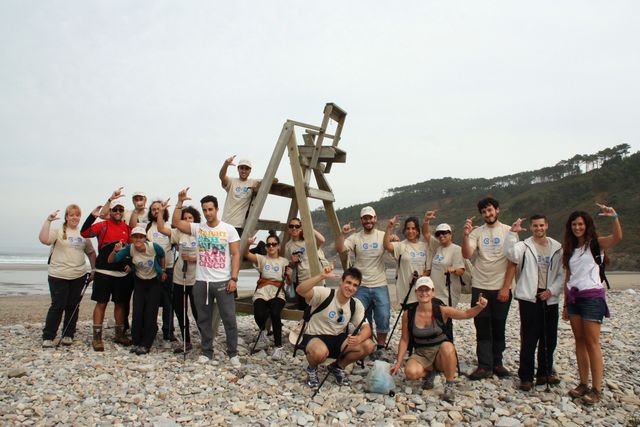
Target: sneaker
[(312, 377), (166, 344), (277, 353), (480, 373), (134, 349), (449, 394), (235, 362), (263, 342), (47, 343), (526, 385), (67, 341), (501, 371), (142, 350), (173, 337), (339, 374), (579, 391), (429, 380), (204, 359), (592, 397)]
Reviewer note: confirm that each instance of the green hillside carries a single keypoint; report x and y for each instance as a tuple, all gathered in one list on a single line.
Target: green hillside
[(555, 191)]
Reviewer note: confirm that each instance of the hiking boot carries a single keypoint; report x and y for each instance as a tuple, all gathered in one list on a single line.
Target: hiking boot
[(592, 397), (526, 385), (278, 352), (312, 377), (66, 341), (429, 380), (166, 345), (134, 348), (173, 337), (235, 362), (480, 373), (96, 342), (449, 394), (501, 371), (553, 379), (47, 343), (339, 374), (579, 391), (120, 337), (142, 350)]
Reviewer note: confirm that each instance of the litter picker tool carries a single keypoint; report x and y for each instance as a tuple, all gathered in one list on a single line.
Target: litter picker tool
[(403, 307)]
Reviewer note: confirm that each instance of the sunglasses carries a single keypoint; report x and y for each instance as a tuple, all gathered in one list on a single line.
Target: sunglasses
[(271, 245), (340, 316), (442, 233), (294, 226), (423, 289), (117, 210)]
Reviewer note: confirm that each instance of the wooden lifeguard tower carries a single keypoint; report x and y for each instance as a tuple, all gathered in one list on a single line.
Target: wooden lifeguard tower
[(314, 157)]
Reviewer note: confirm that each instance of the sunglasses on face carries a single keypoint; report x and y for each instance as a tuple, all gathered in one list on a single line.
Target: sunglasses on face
[(423, 290), (441, 233), (296, 226), (117, 210), (272, 245)]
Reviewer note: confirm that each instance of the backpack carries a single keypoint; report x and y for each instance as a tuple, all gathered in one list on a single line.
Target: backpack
[(599, 259), (436, 305)]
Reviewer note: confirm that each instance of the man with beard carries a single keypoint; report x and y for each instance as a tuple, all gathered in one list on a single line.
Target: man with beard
[(538, 262), (489, 280), (367, 250)]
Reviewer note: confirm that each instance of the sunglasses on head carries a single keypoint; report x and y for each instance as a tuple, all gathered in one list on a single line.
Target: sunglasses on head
[(271, 245), (294, 226), (441, 233), (118, 209)]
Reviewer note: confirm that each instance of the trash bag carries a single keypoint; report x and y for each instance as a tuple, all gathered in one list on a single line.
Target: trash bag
[(379, 379)]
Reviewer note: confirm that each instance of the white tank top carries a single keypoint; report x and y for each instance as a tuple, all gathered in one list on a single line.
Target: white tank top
[(585, 273)]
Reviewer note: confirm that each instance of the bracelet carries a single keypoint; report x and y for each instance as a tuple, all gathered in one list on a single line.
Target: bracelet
[(614, 216), (235, 279)]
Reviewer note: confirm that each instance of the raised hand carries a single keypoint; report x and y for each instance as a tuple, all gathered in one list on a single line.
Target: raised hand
[(393, 222), (606, 210), (429, 215), (229, 161), (468, 226), (517, 226), (347, 228), (53, 216), (482, 301), (182, 195), (117, 193), (96, 211), (165, 205), (327, 272), (118, 247)]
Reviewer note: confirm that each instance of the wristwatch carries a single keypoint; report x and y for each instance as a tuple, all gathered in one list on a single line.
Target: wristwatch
[(235, 279)]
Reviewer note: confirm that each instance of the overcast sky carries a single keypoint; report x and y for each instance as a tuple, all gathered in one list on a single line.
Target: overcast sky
[(154, 95)]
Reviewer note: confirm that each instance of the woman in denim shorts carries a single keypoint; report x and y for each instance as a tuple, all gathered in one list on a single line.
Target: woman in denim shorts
[(585, 303)]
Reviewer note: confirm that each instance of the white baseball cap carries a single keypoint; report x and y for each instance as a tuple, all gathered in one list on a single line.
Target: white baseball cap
[(367, 210), (139, 230), (245, 162), (443, 227), (139, 193), (117, 202), (424, 281)]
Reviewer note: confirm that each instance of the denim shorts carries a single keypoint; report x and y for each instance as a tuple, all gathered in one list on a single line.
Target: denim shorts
[(592, 309)]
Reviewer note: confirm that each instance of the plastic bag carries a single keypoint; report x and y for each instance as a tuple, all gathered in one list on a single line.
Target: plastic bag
[(379, 379)]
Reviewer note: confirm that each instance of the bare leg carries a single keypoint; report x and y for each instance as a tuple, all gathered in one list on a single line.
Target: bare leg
[(592, 343), (317, 352), (582, 356), (98, 313), (356, 352), (118, 313), (446, 360), (414, 370)]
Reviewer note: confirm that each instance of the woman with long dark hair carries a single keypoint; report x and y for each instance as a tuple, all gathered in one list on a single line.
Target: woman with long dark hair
[(585, 303), (67, 273)]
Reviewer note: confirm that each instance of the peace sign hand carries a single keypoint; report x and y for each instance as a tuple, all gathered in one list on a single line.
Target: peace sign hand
[(117, 193), (229, 161), (392, 222), (606, 210), (429, 215), (165, 205), (347, 228), (517, 226), (182, 195)]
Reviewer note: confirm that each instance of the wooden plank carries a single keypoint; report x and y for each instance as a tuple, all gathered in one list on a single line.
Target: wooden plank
[(270, 224), (303, 125), (313, 132), (326, 196), (325, 154), (282, 190)]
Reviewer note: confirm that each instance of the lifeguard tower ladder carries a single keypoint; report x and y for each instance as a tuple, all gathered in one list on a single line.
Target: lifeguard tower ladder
[(312, 158)]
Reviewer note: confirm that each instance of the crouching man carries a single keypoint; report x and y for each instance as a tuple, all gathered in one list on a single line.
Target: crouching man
[(327, 333)]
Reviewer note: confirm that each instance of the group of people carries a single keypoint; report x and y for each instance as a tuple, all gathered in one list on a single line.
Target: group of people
[(135, 256)]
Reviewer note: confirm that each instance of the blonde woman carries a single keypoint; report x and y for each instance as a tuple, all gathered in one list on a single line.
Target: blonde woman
[(66, 274)]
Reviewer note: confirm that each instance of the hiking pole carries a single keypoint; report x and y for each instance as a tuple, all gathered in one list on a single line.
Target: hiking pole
[(341, 355), (544, 336), (185, 265), (403, 306), (75, 310), (447, 276)]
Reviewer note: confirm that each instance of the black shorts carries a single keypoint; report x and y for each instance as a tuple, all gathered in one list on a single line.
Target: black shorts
[(119, 289), (333, 343)]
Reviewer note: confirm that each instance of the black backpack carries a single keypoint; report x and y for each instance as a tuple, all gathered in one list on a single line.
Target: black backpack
[(597, 256), (436, 305)]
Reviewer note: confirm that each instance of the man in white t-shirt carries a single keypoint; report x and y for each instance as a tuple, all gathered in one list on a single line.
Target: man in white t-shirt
[(327, 332), (217, 271), (537, 263), (489, 280), (367, 251), (239, 193)]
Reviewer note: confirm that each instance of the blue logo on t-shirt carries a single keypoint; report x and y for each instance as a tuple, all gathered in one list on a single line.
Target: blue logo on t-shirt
[(365, 246), (374, 246), (332, 314), (496, 240), (276, 268), (486, 240), (267, 267)]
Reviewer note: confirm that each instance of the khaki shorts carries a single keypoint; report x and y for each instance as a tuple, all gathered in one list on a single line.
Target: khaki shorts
[(426, 356)]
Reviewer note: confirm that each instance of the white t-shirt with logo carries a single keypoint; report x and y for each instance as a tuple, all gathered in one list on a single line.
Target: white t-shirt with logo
[(272, 269), (368, 250), (214, 256), (332, 320), (491, 263), (154, 236), (68, 255), (238, 200), (443, 259), (413, 257), (186, 244)]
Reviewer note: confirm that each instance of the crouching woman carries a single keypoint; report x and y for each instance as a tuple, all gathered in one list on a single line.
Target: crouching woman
[(424, 329), (148, 260)]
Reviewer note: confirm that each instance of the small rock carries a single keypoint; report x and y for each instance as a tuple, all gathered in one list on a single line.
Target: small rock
[(16, 373)]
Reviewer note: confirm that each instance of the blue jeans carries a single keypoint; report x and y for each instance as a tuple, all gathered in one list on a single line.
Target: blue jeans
[(381, 309)]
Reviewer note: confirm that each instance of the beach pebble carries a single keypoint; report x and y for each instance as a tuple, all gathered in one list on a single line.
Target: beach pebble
[(16, 373)]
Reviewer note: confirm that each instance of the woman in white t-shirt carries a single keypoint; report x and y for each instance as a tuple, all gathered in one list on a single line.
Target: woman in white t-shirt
[(269, 297), (410, 254), (67, 273), (447, 265), (585, 303)]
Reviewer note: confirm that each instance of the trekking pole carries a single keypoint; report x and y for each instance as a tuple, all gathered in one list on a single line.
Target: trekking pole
[(341, 355), (75, 310), (403, 306), (447, 276), (544, 336), (185, 265)]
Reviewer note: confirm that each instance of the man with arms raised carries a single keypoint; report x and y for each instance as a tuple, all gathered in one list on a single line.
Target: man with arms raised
[(239, 191), (327, 334), (540, 275), (367, 248), (216, 273), (489, 280)]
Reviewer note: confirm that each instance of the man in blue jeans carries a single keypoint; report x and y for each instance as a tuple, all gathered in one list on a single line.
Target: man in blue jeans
[(217, 271), (367, 250)]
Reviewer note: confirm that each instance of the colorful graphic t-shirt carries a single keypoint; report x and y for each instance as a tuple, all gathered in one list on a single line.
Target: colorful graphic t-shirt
[(214, 257)]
